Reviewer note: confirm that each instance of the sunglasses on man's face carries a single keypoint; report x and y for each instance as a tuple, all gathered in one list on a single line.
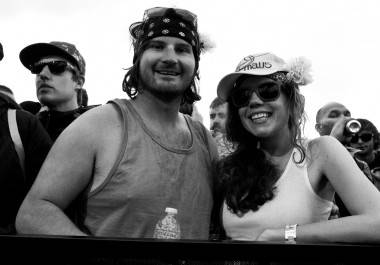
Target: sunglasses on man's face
[(55, 67), (365, 137), (266, 92), (161, 11)]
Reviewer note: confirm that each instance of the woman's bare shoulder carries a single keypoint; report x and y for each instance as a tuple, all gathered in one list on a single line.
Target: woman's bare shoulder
[(323, 143)]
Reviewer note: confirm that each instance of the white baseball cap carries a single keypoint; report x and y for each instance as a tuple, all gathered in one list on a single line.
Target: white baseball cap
[(256, 64)]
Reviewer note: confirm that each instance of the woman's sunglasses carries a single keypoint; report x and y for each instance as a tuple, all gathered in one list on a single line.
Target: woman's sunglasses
[(267, 93), (55, 67), (161, 11), (365, 137)]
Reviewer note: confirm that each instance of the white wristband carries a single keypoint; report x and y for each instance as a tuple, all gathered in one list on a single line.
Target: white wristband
[(291, 232)]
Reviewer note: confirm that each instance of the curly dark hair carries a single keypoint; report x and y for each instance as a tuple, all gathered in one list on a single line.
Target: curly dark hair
[(247, 177)]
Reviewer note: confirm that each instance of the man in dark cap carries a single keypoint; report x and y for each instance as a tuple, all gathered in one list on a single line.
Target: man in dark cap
[(60, 75), (135, 157)]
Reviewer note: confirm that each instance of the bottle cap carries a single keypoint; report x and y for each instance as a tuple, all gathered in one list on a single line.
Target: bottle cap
[(171, 210), (353, 126)]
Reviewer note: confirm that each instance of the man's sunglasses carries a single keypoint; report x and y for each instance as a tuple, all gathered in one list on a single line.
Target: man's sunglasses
[(55, 67), (161, 11), (266, 93), (365, 137)]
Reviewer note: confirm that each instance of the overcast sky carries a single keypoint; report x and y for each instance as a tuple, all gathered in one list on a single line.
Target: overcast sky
[(340, 37)]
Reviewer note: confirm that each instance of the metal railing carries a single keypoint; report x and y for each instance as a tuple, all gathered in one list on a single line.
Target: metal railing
[(35, 249)]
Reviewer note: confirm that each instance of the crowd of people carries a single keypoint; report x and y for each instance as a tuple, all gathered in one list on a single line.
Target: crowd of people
[(69, 168)]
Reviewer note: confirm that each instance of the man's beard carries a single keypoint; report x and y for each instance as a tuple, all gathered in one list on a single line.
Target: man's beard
[(164, 93)]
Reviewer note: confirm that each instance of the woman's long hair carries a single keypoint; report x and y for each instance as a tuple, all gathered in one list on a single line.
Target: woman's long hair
[(247, 177)]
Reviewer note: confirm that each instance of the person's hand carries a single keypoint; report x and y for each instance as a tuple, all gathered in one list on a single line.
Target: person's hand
[(338, 129), (334, 214)]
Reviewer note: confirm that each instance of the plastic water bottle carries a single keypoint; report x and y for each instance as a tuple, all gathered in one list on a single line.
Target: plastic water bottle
[(168, 227)]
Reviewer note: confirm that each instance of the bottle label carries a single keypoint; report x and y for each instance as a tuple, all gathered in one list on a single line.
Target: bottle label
[(162, 233), (167, 228)]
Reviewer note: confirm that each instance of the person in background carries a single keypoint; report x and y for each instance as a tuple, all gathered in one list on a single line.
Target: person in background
[(218, 117), (133, 158), (277, 186), (60, 75), (20, 160), (366, 142), (331, 119)]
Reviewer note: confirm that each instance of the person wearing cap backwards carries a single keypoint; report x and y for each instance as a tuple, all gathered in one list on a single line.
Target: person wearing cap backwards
[(60, 75), (134, 157), (277, 186)]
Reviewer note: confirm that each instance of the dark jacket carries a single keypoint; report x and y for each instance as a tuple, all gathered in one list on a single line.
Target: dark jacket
[(14, 184), (56, 121)]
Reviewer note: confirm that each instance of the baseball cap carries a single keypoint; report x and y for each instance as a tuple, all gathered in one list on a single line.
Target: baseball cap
[(32, 53), (257, 64)]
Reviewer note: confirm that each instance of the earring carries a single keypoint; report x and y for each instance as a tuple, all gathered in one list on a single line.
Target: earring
[(258, 145)]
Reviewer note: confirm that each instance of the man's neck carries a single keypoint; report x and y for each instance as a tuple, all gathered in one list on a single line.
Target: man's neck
[(163, 120), (152, 108), (66, 106), (368, 158)]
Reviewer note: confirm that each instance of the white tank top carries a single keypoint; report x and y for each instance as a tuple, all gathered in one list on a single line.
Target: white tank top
[(294, 202)]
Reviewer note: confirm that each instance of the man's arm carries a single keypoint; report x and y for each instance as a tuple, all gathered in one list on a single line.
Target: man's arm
[(65, 173)]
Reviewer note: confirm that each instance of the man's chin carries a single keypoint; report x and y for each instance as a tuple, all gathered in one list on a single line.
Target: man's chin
[(167, 95)]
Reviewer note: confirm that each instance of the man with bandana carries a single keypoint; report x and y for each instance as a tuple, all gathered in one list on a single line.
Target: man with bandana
[(133, 158)]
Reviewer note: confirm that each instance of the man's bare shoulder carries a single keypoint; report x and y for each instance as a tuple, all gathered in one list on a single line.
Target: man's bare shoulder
[(98, 117), (93, 124)]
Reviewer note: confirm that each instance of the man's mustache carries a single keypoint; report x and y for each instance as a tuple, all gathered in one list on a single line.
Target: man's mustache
[(216, 126)]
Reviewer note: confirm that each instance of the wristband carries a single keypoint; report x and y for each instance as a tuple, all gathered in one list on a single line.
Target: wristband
[(291, 232)]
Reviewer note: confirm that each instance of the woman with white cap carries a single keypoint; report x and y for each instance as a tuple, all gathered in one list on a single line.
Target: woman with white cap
[(277, 186)]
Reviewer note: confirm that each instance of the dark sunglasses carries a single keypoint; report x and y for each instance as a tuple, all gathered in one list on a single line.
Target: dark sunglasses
[(365, 137), (161, 11), (55, 67), (266, 93)]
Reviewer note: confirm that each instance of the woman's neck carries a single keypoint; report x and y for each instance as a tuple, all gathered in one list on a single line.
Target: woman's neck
[(278, 145)]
